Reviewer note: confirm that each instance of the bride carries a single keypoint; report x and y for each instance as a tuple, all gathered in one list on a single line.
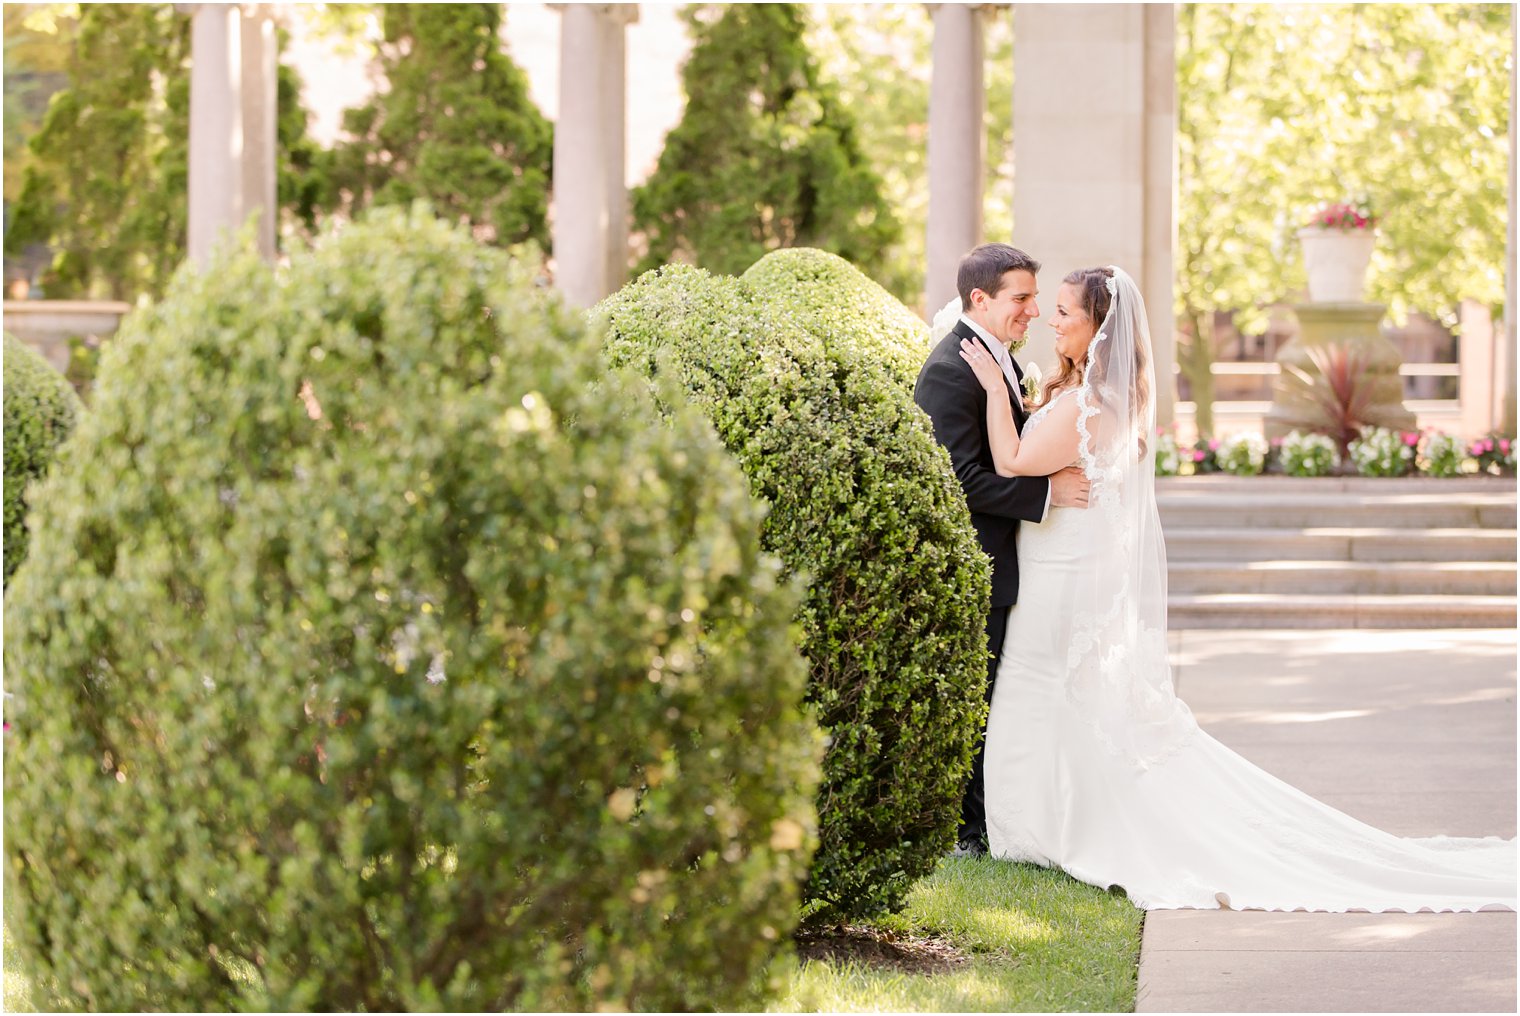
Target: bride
[(1093, 763)]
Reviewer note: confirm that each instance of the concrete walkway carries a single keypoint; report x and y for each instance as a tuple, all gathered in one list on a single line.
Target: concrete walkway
[(1411, 731)]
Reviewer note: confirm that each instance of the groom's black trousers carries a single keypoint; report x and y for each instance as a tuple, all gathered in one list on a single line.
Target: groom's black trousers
[(974, 804)]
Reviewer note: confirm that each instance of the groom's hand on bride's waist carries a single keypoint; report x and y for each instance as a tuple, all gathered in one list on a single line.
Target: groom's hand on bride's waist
[(1069, 488)]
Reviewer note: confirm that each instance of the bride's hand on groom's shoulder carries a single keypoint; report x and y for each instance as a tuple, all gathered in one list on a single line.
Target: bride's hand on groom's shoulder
[(1069, 488), (987, 370)]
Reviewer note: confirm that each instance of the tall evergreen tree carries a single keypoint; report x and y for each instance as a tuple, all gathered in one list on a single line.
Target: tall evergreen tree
[(455, 125), (107, 185), (765, 156), (100, 189)]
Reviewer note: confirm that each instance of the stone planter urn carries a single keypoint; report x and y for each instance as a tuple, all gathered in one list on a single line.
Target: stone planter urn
[(1337, 261)]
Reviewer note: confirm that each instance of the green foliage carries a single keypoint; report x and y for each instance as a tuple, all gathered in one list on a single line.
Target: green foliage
[(1381, 451), (383, 651), (765, 156), (800, 366), (105, 188), (455, 125), (1284, 108), (1243, 454), (1495, 453), (856, 321), (1308, 455), (107, 183), (1440, 455), (40, 411), (36, 55), (879, 56), (1334, 398)]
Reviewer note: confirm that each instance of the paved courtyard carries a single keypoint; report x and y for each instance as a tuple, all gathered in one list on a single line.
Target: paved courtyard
[(1412, 731)]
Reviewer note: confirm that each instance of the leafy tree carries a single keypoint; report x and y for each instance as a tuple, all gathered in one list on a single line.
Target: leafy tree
[(100, 190), (1282, 108), (456, 126), (37, 45), (108, 181), (766, 155)]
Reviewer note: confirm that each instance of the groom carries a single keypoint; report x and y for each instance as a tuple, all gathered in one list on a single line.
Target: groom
[(997, 290)]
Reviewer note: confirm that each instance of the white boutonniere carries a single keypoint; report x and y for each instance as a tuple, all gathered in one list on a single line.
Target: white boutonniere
[(1032, 383)]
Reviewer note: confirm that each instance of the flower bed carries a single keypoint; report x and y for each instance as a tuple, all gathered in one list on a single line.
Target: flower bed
[(1378, 452)]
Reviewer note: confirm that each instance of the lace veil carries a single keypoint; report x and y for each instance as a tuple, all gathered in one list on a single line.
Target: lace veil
[(1117, 669)]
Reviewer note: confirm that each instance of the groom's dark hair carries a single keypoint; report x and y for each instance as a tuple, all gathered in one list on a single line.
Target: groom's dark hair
[(984, 267)]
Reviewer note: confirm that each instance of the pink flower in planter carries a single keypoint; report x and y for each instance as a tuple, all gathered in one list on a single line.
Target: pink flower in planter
[(1213, 444), (1197, 456), (1503, 445), (1411, 439)]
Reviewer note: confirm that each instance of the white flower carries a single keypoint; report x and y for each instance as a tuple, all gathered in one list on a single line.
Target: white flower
[(945, 319)]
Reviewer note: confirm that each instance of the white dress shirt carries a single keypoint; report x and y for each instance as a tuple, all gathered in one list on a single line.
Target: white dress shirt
[(999, 353)]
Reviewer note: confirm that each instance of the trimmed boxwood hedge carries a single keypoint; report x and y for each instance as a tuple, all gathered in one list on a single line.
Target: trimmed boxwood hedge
[(843, 308), (40, 411), (865, 506), (384, 650)]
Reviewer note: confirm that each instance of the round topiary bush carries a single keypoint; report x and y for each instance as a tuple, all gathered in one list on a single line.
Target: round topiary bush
[(385, 650), (865, 506), (40, 411), (841, 307)]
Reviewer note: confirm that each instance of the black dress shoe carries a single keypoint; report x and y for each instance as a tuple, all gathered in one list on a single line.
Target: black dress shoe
[(970, 846)]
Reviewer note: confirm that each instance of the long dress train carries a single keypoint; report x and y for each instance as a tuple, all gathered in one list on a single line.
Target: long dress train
[(1198, 827)]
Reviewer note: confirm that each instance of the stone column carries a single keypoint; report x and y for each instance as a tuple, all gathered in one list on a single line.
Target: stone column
[(260, 102), (1475, 357), (216, 127), (590, 226), (1094, 117), (615, 125), (957, 145)]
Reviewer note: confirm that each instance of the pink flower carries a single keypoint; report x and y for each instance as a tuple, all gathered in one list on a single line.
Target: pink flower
[(1503, 445), (1197, 456), (1214, 444), (1411, 439)]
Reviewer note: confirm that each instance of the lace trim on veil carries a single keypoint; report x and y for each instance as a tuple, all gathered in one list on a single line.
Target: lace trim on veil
[(1117, 671)]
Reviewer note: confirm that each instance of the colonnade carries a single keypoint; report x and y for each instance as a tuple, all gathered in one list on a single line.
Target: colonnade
[(1094, 124)]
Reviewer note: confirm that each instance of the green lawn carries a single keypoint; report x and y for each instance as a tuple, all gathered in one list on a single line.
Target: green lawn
[(1038, 941)]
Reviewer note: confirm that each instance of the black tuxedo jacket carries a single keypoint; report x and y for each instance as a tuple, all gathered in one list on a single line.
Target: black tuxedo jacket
[(949, 392)]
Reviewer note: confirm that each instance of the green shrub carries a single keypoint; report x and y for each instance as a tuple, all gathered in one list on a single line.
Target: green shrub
[(1440, 455), (848, 313), (1384, 452), (386, 652), (1243, 454), (40, 411), (865, 505), (1308, 454)]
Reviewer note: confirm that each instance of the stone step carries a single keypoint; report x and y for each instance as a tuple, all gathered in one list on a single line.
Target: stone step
[(1471, 578), (1278, 510), (1268, 610), (1350, 543)]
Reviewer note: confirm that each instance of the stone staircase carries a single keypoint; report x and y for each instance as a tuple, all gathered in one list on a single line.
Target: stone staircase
[(1283, 552)]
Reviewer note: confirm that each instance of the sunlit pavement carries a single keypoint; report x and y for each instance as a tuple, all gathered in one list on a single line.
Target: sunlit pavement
[(1411, 731)]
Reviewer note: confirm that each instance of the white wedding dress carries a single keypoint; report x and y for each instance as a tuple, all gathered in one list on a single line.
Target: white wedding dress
[(1094, 765), (1201, 827)]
